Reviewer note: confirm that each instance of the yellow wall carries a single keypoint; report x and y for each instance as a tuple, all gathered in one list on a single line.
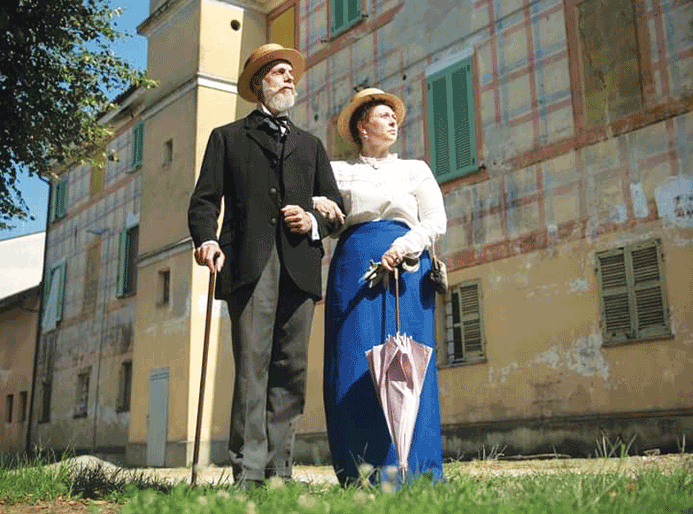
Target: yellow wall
[(16, 362), (543, 340)]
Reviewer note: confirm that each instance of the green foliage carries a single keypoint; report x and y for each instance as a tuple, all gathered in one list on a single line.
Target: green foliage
[(57, 75)]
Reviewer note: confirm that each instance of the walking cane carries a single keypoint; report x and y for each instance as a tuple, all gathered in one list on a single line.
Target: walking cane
[(203, 376)]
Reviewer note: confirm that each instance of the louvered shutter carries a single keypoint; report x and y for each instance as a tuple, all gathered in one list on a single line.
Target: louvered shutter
[(122, 256), (452, 121), (465, 321), (648, 290), (345, 13), (617, 311), (138, 145)]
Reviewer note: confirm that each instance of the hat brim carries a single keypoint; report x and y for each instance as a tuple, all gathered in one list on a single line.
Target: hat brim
[(344, 119), (290, 55)]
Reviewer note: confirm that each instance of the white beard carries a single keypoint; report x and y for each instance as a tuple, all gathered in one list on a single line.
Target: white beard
[(276, 99)]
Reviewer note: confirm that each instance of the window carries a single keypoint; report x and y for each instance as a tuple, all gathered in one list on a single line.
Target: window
[(46, 388), (54, 293), (58, 206), (168, 152), (464, 324), (633, 293), (124, 387), (97, 175), (23, 404), (609, 59), (91, 279), (82, 395), (451, 121), (138, 145), (127, 261), (164, 287), (9, 406), (344, 15)]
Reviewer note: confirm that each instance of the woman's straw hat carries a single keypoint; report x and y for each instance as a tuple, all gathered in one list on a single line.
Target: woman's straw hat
[(263, 55), (359, 99)]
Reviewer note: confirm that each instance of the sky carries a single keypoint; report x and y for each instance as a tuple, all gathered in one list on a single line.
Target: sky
[(132, 48)]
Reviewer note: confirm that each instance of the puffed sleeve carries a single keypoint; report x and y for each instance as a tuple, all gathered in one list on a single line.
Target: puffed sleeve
[(431, 213)]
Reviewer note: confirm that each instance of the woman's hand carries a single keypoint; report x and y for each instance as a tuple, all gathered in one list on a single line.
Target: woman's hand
[(392, 258), (328, 209)]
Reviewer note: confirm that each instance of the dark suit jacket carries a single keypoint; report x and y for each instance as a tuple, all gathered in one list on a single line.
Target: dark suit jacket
[(244, 164)]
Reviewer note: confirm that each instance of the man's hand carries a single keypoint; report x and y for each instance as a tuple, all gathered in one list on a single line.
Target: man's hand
[(392, 258), (209, 254), (296, 219), (328, 209)]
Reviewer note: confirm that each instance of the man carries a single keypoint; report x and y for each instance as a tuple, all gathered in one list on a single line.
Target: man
[(268, 256)]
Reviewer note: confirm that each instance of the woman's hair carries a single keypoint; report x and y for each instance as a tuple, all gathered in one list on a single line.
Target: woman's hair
[(361, 114)]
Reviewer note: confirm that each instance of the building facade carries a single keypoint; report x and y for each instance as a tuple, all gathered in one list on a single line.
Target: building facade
[(84, 365), (560, 133)]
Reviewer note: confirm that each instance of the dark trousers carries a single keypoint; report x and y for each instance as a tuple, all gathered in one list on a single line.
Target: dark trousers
[(270, 328)]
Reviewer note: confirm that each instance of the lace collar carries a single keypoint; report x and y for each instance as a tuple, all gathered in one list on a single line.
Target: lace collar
[(377, 162)]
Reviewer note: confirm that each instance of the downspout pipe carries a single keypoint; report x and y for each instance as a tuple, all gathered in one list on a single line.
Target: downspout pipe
[(34, 372)]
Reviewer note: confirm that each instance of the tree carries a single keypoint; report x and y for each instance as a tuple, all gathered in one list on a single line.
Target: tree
[(57, 74)]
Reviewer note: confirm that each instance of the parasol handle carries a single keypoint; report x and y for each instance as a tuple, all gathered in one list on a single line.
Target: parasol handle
[(396, 270)]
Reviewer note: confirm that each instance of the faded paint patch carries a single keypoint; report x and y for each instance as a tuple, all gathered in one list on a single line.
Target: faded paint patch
[(578, 285), (5, 375), (584, 357)]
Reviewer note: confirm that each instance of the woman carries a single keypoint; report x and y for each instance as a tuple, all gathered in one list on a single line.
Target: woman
[(394, 210)]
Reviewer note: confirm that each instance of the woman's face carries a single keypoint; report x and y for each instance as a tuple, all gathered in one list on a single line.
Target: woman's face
[(379, 128)]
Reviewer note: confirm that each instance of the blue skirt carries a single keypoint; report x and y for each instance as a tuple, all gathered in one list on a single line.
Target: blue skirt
[(356, 319)]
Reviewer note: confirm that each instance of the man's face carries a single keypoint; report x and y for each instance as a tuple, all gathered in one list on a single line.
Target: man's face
[(278, 89)]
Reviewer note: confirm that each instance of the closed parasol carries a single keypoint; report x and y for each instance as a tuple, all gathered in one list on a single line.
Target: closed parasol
[(398, 368)]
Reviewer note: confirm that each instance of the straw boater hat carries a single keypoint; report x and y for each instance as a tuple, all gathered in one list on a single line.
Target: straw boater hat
[(359, 99), (263, 55)]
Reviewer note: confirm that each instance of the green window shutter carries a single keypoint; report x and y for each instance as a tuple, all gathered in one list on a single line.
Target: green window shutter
[(649, 294), (452, 121), (467, 326), (616, 308), (122, 256), (138, 145), (438, 127), (61, 291), (345, 13)]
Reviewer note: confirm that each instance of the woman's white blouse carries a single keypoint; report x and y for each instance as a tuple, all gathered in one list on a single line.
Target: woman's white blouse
[(393, 189)]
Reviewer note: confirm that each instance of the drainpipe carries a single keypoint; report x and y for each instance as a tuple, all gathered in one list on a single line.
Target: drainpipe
[(37, 346), (100, 232)]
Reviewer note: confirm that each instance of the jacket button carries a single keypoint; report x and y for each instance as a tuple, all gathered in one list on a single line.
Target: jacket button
[(273, 221), (273, 191)]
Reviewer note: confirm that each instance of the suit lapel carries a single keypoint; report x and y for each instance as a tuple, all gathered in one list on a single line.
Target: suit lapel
[(293, 140), (252, 125)]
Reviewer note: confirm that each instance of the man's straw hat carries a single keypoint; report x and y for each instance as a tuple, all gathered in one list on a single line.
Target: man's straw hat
[(359, 99), (263, 55)]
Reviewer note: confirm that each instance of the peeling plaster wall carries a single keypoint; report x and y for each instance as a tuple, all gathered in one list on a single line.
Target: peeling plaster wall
[(94, 339), (530, 232)]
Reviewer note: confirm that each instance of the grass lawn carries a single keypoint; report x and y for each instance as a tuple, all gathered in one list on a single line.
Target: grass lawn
[(661, 484)]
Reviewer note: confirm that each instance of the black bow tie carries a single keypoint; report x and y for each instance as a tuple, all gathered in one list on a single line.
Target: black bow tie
[(278, 125)]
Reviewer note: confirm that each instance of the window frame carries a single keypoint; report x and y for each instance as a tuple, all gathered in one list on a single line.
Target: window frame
[(612, 317), (277, 12), (127, 265), (123, 401), (448, 351), (451, 67), (650, 103), (46, 399), (137, 145), (23, 405), (82, 394), (58, 204), (9, 408)]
